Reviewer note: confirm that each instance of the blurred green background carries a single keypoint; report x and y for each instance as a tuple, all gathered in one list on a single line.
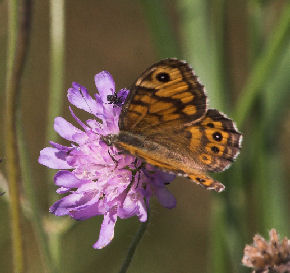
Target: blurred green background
[(241, 51)]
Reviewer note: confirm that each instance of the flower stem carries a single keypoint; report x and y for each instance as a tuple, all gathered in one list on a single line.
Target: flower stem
[(57, 47), (134, 244), (18, 30), (23, 42)]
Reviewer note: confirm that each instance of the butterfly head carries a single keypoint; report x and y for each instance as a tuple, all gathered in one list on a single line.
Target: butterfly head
[(109, 139)]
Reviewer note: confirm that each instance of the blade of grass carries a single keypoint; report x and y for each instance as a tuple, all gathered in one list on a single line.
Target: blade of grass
[(276, 95), (195, 38), (270, 181), (203, 39), (161, 30), (217, 255), (217, 35), (262, 67), (255, 19), (257, 80)]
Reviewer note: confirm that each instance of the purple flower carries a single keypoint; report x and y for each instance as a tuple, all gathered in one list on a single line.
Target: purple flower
[(96, 178)]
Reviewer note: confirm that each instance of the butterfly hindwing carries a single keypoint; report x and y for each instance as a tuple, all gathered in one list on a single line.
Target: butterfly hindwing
[(214, 141), (206, 181), (165, 92)]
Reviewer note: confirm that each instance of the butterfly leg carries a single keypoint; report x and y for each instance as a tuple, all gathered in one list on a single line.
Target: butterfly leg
[(138, 170), (134, 172), (114, 160)]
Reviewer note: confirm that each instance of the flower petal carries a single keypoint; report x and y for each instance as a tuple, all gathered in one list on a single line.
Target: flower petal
[(142, 211), (60, 147), (165, 198), (77, 119), (87, 212), (107, 230), (64, 205), (105, 84), (67, 179), (53, 158), (80, 97), (62, 190), (65, 129), (122, 94)]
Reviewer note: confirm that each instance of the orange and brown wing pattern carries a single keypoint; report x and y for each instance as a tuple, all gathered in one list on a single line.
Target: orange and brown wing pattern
[(206, 181), (214, 141), (167, 91), (165, 121)]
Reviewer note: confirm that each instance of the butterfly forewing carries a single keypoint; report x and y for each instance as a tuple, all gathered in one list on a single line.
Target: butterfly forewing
[(165, 92)]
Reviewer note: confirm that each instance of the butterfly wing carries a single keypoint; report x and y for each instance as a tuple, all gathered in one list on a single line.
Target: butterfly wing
[(167, 91), (214, 144), (214, 141), (165, 122)]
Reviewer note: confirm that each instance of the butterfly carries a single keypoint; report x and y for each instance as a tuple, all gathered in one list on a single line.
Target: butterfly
[(166, 122)]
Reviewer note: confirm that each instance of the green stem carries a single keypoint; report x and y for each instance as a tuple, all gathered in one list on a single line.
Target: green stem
[(24, 39), (57, 47), (134, 244), (18, 21), (55, 248), (57, 50), (262, 68)]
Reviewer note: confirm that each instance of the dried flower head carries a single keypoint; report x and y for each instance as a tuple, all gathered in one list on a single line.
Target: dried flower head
[(267, 257), (98, 179)]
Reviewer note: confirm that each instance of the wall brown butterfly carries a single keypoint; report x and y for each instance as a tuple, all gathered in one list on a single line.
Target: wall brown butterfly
[(165, 121)]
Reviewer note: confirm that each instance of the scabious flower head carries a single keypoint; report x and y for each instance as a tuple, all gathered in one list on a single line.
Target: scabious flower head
[(99, 179), (268, 257)]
